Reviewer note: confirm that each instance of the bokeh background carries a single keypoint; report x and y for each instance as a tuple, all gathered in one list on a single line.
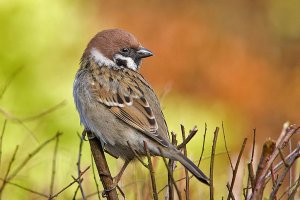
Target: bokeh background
[(235, 62)]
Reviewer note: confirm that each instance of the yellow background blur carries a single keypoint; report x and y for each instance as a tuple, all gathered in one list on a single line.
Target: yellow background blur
[(232, 61)]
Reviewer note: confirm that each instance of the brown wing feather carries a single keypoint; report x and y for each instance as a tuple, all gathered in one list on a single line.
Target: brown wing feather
[(126, 100)]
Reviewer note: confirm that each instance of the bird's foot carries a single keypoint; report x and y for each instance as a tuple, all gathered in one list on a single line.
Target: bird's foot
[(90, 135), (106, 191)]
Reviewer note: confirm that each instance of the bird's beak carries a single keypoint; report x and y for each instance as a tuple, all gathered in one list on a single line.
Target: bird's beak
[(144, 53)]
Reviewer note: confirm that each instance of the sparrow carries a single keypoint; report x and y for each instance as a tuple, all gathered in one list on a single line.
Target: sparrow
[(118, 105)]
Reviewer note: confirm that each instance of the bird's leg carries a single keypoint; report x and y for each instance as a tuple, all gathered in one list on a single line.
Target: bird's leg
[(117, 178), (119, 175), (87, 133)]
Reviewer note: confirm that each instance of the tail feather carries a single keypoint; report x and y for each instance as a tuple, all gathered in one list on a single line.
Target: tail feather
[(190, 166)]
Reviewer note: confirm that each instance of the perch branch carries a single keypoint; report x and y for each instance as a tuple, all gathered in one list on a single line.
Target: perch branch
[(102, 167), (94, 176)]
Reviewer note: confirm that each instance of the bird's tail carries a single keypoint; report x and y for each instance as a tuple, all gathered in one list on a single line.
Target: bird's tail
[(190, 166)]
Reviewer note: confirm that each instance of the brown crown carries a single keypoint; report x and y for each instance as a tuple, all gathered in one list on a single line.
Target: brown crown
[(110, 41)]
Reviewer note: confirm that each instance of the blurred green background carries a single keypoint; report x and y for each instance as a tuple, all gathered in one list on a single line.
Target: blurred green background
[(231, 61)]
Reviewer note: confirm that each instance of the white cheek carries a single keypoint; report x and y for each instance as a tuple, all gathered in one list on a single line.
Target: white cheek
[(100, 59), (130, 63)]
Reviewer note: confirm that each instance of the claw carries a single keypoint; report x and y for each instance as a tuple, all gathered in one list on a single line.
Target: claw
[(106, 191), (87, 133), (83, 135)]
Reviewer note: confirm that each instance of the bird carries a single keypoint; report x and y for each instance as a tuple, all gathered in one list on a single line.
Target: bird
[(118, 105)]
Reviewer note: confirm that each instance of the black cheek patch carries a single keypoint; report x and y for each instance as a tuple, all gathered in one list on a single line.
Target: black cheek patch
[(137, 61), (121, 62)]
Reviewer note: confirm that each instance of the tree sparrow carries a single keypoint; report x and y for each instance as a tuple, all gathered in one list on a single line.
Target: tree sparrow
[(117, 104)]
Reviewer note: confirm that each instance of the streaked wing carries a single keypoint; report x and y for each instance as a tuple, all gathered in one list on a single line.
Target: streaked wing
[(126, 100)]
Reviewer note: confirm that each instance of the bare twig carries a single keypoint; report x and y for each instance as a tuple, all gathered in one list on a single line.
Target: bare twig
[(70, 184), (230, 193), (54, 165), (8, 170), (223, 131), (13, 118), (94, 175), (26, 189), (78, 166), (171, 165), (203, 145), (183, 178), (31, 155), (21, 121), (286, 134), (268, 149), (284, 173), (253, 145), (188, 139), (251, 177), (236, 168), (279, 165), (211, 173), (151, 170), (282, 158), (44, 113), (9, 80), (290, 171), (273, 178), (121, 192), (294, 190), (172, 177), (102, 167), (8, 116), (1, 138), (75, 193), (187, 179)]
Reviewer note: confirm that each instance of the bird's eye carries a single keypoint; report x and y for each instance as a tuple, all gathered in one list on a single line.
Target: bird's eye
[(125, 50)]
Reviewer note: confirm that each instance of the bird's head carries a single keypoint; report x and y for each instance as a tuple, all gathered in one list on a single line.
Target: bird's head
[(116, 48)]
